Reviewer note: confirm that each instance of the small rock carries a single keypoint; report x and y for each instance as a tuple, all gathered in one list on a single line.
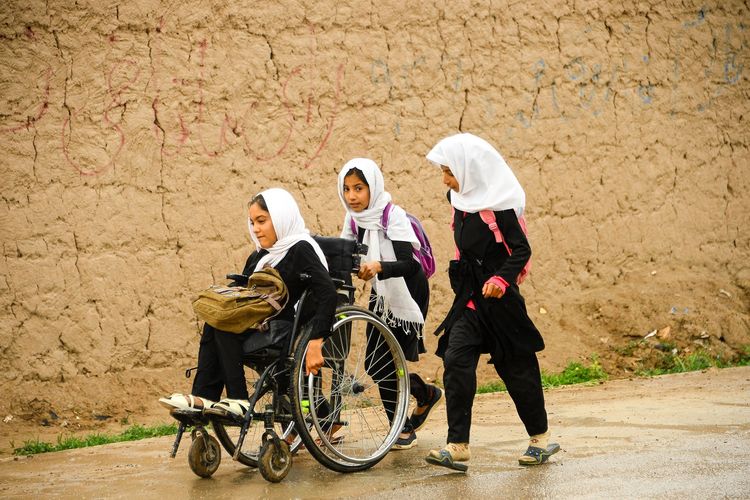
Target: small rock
[(653, 273), (704, 334), (724, 293), (665, 332), (8, 418), (650, 334), (542, 310)]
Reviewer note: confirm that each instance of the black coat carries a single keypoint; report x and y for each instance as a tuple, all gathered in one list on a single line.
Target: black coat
[(507, 327), (321, 302)]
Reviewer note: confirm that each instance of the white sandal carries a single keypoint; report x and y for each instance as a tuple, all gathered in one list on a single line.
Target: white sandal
[(235, 407), (186, 402)]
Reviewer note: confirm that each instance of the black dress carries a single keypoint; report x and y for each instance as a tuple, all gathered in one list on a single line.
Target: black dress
[(510, 330), (500, 327), (405, 266)]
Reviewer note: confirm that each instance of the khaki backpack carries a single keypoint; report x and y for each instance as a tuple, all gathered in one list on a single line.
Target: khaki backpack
[(237, 308)]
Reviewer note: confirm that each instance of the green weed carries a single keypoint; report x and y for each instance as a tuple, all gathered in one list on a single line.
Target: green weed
[(700, 360), (133, 433), (574, 373)]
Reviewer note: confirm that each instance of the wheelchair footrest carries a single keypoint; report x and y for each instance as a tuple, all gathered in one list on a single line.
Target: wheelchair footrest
[(189, 417)]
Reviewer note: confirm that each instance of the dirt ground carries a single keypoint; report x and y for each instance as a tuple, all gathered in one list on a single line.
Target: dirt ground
[(683, 436)]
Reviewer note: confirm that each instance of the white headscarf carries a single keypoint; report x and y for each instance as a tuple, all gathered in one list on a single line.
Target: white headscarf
[(289, 226), (394, 302), (485, 181)]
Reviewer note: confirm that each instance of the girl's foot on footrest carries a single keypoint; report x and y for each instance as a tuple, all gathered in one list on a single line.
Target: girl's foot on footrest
[(185, 402), (230, 408)]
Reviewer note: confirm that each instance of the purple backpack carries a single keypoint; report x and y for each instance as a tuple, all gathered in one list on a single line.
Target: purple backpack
[(424, 254)]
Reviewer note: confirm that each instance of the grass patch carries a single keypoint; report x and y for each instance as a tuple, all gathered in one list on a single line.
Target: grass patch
[(673, 363), (574, 373), (133, 433)]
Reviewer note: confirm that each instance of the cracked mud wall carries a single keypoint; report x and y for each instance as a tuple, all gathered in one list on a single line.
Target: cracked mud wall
[(132, 135)]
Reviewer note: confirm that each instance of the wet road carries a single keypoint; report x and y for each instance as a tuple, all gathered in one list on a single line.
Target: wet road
[(679, 436)]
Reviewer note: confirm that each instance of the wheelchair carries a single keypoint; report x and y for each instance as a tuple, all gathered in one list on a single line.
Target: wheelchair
[(348, 416)]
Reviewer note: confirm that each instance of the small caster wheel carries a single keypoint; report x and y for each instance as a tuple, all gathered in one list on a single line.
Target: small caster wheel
[(275, 460), (204, 456)]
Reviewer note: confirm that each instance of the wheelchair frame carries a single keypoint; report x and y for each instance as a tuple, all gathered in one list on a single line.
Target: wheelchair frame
[(314, 405)]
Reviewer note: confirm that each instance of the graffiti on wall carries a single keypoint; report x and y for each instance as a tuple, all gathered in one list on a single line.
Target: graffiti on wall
[(182, 115)]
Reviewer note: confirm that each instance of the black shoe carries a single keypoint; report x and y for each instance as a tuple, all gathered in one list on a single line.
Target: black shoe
[(407, 442), (418, 421)]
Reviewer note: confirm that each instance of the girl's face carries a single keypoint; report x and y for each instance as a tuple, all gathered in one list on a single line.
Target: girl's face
[(262, 226), (356, 193), (448, 178)]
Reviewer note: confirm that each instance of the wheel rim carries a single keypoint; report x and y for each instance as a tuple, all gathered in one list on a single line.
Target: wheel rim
[(275, 460), (366, 433), (204, 456)]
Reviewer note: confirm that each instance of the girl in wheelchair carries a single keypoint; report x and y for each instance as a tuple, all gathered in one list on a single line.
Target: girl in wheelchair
[(400, 294), (282, 242)]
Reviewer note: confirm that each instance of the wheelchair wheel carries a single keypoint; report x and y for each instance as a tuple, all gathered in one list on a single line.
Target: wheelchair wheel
[(275, 460), (356, 406), (228, 431), (204, 456)]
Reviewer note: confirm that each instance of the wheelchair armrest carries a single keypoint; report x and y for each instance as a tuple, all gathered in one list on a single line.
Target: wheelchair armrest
[(239, 279)]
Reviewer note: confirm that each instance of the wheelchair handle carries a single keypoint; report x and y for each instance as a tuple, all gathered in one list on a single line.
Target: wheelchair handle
[(239, 278)]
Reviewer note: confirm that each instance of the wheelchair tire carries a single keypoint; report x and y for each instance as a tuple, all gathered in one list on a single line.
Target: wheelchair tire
[(275, 460), (347, 427), (228, 431), (204, 455)]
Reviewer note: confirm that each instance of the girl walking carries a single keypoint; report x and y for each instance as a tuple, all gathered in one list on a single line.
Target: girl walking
[(400, 294), (488, 314)]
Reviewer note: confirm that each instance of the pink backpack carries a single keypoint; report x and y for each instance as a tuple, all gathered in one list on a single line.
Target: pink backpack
[(488, 217)]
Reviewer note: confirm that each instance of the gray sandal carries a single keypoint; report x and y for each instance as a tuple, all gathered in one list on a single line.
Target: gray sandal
[(540, 455), (446, 460)]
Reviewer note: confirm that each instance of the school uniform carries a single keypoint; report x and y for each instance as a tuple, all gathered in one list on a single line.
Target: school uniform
[(475, 324), (500, 327), (220, 356), (400, 292)]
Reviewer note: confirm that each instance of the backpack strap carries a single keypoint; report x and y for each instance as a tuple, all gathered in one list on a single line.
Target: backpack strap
[(488, 217), (383, 220), (386, 215)]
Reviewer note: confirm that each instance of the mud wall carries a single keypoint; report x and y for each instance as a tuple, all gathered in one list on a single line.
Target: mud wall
[(132, 134)]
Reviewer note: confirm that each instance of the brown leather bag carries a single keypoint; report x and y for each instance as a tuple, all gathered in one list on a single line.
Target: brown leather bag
[(237, 309)]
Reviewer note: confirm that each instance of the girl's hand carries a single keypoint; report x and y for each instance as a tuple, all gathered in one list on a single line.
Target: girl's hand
[(491, 290), (368, 270), (314, 357)]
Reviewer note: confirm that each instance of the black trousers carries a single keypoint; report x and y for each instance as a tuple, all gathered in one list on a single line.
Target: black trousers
[(519, 372), (220, 364)]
